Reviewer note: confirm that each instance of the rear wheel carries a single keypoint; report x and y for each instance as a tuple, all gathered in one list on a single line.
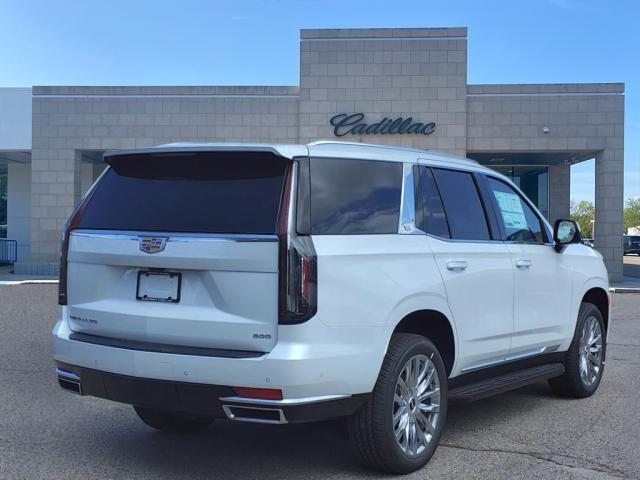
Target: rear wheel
[(399, 427), (585, 358), (169, 422)]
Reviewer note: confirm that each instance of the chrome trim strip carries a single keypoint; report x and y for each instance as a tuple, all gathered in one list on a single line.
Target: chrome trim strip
[(231, 416), (484, 364), (511, 357), (176, 236), (462, 240), (285, 401), (407, 221)]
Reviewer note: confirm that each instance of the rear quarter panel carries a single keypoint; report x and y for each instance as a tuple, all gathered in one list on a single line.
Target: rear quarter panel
[(374, 281)]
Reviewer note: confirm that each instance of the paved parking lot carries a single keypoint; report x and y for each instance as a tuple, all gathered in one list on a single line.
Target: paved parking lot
[(50, 434), (632, 266)]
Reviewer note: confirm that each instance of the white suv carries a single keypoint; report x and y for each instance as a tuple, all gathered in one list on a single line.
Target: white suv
[(294, 283)]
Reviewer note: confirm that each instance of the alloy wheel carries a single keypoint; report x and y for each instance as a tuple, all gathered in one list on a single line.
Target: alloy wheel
[(416, 405), (590, 351)]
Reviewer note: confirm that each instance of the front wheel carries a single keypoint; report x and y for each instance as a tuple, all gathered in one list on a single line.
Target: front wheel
[(399, 427), (584, 362), (170, 422)]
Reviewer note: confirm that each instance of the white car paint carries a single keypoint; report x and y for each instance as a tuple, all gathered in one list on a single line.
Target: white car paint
[(366, 285)]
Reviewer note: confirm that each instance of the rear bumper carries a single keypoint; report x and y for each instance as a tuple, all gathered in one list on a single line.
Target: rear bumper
[(310, 360), (203, 400)]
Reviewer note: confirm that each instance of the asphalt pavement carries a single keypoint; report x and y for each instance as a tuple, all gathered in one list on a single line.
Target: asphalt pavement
[(46, 433)]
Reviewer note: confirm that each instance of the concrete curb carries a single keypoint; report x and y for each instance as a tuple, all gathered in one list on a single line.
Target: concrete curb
[(28, 282)]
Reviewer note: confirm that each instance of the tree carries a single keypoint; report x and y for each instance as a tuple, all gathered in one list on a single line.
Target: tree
[(632, 213), (584, 213)]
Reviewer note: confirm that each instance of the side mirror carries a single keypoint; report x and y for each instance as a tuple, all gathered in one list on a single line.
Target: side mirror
[(565, 232)]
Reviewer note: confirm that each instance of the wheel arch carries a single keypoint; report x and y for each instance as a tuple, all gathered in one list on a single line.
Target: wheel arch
[(599, 297), (434, 325)]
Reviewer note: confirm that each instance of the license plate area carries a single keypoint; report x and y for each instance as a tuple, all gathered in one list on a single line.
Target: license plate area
[(158, 286)]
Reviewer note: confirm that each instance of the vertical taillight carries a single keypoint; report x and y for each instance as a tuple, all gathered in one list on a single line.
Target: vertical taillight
[(72, 224), (298, 284)]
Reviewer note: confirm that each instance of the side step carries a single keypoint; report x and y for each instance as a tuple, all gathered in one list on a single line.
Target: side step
[(504, 383)]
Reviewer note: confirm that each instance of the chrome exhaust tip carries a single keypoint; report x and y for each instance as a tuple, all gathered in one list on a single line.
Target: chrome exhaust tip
[(69, 381), (238, 413)]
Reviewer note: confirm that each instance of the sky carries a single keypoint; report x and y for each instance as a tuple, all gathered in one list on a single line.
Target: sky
[(256, 42)]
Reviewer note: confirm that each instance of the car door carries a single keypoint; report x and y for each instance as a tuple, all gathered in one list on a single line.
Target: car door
[(475, 267), (543, 280)]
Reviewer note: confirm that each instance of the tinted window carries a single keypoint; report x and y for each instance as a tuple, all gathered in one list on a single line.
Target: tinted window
[(195, 192), (355, 196), (462, 205), (429, 202), (520, 222)]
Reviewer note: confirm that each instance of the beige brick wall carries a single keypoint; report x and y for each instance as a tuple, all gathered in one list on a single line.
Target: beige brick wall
[(584, 121), (379, 72), (420, 73), (68, 120)]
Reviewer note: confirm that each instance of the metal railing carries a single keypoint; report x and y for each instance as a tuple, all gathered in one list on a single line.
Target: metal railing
[(8, 251)]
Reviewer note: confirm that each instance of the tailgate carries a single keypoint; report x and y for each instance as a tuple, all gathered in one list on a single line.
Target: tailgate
[(180, 248), (228, 290)]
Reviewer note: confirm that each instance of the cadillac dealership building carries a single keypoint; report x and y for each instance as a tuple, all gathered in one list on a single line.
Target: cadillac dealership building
[(405, 87)]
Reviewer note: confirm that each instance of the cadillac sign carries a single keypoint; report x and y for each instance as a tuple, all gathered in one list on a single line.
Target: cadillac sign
[(355, 124)]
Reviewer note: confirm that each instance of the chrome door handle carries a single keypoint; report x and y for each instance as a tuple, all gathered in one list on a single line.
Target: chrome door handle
[(456, 265), (522, 264)]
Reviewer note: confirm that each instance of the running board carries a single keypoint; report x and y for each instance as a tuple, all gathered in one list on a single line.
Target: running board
[(504, 383)]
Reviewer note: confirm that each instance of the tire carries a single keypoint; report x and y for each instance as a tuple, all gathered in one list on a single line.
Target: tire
[(169, 422), (583, 370), (372, 428)]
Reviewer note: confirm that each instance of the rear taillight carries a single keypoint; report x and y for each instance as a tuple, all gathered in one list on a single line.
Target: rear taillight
[(71, 225), (298, 272)]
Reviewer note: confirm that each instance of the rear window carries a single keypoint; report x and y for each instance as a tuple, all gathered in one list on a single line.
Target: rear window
[(352, 197), (203, 192), (462, 205)]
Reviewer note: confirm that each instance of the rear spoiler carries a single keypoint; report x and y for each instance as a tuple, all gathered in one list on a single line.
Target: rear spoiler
[(286, 151)]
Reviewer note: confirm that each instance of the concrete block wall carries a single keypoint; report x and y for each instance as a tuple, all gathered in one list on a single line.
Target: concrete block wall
[(69, 120), (584, 120), (559, 191), (420, 73), (587, 117)]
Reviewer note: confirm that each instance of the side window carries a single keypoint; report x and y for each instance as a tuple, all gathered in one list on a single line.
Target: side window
[(520, 222), (429, 202), (352, 197), (462, 205)]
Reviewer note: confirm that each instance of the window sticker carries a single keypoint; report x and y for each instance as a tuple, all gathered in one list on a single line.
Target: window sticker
[(512, 212)]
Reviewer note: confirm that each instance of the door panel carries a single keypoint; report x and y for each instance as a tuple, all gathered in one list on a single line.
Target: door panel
[(542, 285), (543, 289), (478, 278)]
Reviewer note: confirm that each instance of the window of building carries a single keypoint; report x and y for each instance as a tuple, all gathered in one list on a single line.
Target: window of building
[(353, 197), (520, 222), (462, 205), (430, 217)]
